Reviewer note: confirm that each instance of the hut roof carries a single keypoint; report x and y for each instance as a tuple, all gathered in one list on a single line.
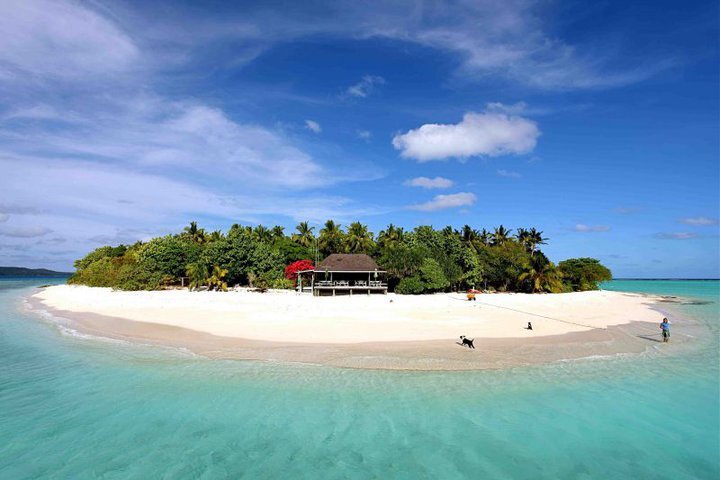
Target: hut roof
[(348, 262)]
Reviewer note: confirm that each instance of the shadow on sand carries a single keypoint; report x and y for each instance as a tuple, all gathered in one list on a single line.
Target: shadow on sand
[(650, 338)]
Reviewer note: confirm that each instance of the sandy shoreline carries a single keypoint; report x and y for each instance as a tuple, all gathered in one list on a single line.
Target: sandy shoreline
[(385, 332)]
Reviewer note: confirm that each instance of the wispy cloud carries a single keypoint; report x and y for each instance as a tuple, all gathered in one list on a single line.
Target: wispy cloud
[(313, 126), (442, 202), (676, 235), (490, 134), (507, 39), (508, 173), (425, 182), (581, 227), (699, 221), (61, 40), (364, 134), (23, 232), (365, 86)]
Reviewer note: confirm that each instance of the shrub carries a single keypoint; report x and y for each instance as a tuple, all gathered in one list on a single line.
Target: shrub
[(432, 275), (291, 271), (410, 286), (584, 273)]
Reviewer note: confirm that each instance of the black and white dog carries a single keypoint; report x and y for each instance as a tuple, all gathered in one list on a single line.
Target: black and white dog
[(466, 342)]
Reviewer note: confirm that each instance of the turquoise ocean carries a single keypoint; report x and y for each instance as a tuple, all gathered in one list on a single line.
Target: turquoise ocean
[(73, 407)]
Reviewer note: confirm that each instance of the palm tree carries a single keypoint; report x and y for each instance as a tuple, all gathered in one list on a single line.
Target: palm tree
[(468, 234), (331, 238), (197, 273), (194, 233), (535, 239), (523, 238), (542, 275), (216, 280), (485, 237), (500, 235), (214, 236), (358, 238), (305, 235), (278, 232), (391, 237), (262, 234)]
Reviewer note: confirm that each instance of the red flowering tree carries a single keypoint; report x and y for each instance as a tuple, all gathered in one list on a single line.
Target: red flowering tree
[(292, 269)]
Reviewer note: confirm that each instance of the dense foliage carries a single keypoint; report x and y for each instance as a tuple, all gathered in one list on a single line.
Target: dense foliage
[(419, 261)]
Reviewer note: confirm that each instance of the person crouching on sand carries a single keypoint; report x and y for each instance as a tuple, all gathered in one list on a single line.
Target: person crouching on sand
[(665, 326)]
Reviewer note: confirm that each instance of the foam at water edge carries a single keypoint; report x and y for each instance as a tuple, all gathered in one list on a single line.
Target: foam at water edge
[(62, 324)]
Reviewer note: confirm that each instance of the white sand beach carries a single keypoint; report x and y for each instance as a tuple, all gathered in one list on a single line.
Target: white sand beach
[(290, 317), (379, 331)]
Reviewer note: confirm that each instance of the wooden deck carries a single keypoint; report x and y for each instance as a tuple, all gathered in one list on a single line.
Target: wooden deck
[(350, 289)]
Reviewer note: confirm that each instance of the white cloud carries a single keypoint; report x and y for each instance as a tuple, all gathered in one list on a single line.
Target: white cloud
[(187, 139), (425, 182), (676, 235), (313, 126), (699, 221), (508, 173), (514, 109), (364, 134), (61, 40), (4, 217), (507, 39), (580, 227), (365, 86), (441, 202), (490, 134), (23, 232)]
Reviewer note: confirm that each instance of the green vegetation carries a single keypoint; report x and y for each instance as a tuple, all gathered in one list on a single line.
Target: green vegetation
[(584, 273), (423, 260)]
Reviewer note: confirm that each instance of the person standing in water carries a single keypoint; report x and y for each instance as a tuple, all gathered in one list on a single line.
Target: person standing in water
[(665, 326)]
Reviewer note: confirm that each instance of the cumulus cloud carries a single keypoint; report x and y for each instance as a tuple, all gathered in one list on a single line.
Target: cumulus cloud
[(491, 134), (23, 232), (365, 86), (442, 202), (676, 235), (313, 126), (425, 182), (581, 227), (699, 221), (508, 173)]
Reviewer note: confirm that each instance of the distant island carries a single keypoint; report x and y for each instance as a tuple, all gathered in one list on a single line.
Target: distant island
[(31, 272), (423, 260)]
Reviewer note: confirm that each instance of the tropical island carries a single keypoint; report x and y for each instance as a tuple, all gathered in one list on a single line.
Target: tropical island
[(424, 260), (240, 295)]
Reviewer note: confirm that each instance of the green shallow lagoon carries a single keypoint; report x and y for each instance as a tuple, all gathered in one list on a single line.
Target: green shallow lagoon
[(74, 407)]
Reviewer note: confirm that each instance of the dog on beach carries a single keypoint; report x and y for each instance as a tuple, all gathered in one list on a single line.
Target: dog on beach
[(466, 342)]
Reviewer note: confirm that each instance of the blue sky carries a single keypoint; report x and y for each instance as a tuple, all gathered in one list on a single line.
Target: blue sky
[(596, 123)]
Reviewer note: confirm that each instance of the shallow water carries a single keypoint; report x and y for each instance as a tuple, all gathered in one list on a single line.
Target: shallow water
[(73, 407)]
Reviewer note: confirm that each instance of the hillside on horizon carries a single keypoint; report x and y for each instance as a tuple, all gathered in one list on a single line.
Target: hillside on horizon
[(31, 272)]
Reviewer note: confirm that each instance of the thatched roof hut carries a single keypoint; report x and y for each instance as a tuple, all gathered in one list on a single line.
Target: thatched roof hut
[(348, 262)]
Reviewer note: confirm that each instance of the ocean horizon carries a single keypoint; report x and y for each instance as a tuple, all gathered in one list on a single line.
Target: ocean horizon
[(75, 406)]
